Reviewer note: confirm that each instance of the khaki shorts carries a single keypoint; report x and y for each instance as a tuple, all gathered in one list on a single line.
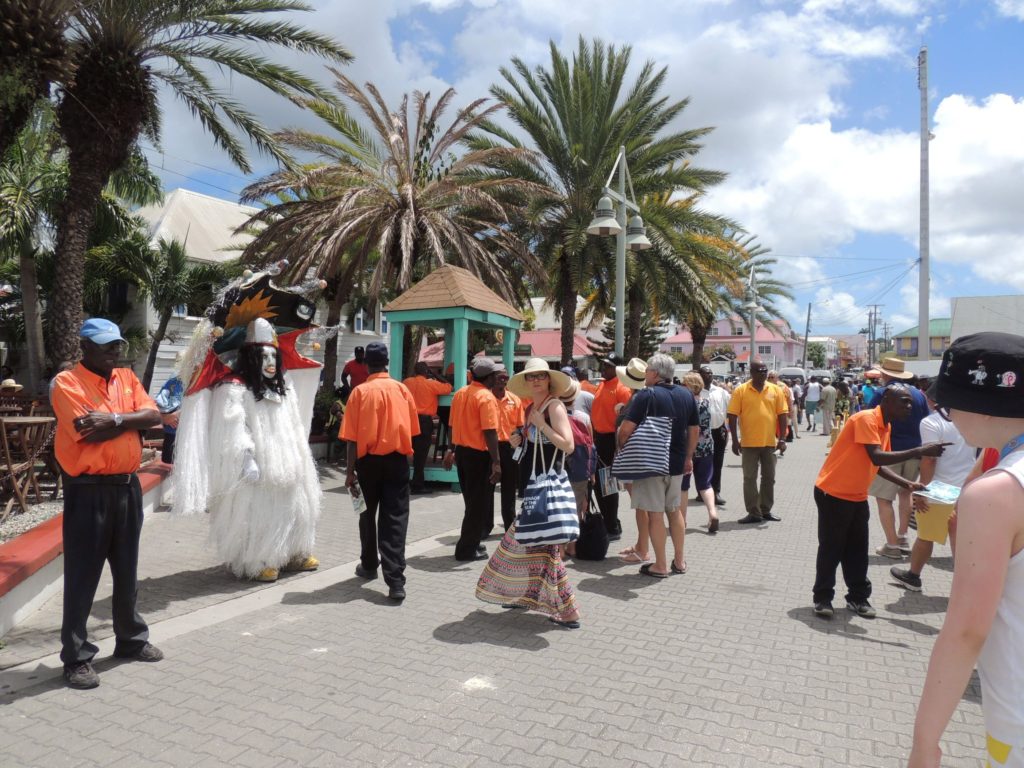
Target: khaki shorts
[(883, 489), (657, 494)]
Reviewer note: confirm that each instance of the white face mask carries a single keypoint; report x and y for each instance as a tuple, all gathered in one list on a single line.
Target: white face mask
[(269, 357)]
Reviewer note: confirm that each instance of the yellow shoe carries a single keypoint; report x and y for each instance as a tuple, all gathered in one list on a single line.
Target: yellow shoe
[(309, 563), (267, 574)]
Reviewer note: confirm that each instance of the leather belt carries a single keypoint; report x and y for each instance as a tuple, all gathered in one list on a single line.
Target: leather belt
[(125, 479)]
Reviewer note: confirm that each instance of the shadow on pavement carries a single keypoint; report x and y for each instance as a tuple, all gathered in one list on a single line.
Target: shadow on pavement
[(942, 563), (347, 591), (27, 683), (442, 563), (156, 594), (844, 624), (910, 603), (511, 629)]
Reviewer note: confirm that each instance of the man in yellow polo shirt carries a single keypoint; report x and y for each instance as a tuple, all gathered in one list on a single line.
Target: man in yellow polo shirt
[(475, 422), (102, 412), (761, 412), (379, 426)]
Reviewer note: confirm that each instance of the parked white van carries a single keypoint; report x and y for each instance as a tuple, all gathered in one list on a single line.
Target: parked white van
[(794, 373)]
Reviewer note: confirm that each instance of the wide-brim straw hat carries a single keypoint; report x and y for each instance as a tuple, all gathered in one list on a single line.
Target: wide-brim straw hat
[(11, 384), (894, 368), (558, 381), (570, 393), (633, 374)]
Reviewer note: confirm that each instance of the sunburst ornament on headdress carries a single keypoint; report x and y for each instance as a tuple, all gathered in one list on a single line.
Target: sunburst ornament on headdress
[(250, 308)]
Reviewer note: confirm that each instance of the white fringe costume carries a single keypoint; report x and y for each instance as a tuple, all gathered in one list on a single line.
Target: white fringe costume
[(253, 525)]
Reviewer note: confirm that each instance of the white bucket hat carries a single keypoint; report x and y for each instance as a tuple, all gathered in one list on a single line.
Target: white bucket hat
[(558, 380), (633, 374)]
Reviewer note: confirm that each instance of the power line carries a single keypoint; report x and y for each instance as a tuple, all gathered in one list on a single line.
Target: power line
[(234, 192), (195, 163), (832, 279), (837, 258)]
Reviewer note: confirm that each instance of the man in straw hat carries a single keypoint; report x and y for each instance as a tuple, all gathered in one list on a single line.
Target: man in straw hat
[(609, 399), (760, 411), (474, 428), (906, 434)]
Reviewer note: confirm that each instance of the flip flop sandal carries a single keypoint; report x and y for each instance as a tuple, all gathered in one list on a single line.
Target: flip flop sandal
[(679, 571), (574, 624), (645, 570), (633, 558)]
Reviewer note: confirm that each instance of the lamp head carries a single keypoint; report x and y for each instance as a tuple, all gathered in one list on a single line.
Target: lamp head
[(636, 235), (604, 222)]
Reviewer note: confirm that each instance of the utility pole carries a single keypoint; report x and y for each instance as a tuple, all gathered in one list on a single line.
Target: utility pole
[(873, 317), (885, 335), (923, 341), (807, 332)]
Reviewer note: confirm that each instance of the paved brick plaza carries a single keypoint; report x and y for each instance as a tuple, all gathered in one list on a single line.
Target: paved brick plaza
[(725, 666)]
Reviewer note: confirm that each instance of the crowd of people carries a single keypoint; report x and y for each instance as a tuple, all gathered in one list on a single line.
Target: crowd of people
[(640, 430)]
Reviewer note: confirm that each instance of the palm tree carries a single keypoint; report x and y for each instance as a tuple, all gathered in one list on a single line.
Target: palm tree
[(122, 50), (33, 54), (163, 274), (729, 296), (575, 116), (399, 197)]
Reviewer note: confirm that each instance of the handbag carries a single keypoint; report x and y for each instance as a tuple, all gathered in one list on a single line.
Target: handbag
[(548, 513), (645, 454), (593, 541), (606, 481)]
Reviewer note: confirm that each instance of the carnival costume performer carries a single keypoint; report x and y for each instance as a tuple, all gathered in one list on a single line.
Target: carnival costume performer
[(243, 450)]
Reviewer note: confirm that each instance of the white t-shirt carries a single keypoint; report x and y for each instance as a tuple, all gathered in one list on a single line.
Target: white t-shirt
[(813, 392), (718, 404), (956, 462)]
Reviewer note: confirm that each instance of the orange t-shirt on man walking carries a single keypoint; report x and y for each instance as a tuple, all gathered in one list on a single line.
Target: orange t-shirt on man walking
[(609, 394), (380, 417)]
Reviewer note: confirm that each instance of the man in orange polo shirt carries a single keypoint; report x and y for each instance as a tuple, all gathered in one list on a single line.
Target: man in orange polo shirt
[(102, 412), (511, 417), (425, 388), (610, 398), (380, 423), (474, 424), (862, 451)]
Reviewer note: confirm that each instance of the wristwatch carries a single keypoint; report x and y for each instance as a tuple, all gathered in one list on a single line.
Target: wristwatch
[(118, 419)]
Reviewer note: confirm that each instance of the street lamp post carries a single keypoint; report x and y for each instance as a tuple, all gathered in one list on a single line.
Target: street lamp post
[(753, 308), (613, 221)]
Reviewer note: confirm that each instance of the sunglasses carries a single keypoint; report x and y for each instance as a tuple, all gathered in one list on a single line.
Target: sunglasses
[(536, 377)]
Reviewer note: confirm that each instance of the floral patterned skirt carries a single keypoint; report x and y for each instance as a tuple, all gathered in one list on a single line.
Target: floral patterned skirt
[(529, 577)]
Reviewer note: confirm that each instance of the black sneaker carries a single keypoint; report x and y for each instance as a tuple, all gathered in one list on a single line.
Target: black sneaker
[(824, 609), (719, 501), (148, 652), (81, 676), (862, 608), (396, 593), (365, 573), (906, 578)]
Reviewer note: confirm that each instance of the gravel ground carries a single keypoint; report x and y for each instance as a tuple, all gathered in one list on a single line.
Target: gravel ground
[(19, 521)]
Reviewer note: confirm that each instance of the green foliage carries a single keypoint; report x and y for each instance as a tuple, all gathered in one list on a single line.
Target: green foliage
[(816, 354), (651, 336)]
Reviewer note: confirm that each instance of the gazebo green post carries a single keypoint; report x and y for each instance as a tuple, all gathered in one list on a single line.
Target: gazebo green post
[(460, 350), (396, 366), (508, 349)]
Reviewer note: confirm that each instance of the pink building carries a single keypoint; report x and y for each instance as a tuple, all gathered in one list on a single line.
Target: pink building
[(776, 343)]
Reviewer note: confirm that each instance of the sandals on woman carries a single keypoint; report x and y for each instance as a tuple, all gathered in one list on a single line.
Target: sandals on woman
[(631, 556), (677, 570), (645, 570)]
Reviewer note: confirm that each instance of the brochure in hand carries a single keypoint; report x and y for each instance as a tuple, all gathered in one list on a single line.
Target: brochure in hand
[(939, 493)]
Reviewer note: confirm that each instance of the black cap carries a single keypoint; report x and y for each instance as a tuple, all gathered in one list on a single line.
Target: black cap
[(983, 373), (359, 349), (376, 353), (612, 360)]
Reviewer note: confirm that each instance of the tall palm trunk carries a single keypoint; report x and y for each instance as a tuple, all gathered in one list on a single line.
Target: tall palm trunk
[(101, 115), (334, 306), (33, 318), (699, 334), (634, 320), (568, 291), (154, 348)]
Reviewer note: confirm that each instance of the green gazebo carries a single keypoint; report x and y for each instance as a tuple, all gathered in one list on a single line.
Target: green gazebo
[(454, 300)]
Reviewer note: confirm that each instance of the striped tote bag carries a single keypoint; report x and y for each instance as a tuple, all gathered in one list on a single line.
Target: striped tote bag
[(645, 454), (548, 513)]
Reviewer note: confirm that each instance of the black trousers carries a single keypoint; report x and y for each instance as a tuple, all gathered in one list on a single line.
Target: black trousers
[(167, 450), (474, 468), (721, 439), (509, 484), (842, 540), (102, 523), (420, 449), (604, 442), (384, 481)]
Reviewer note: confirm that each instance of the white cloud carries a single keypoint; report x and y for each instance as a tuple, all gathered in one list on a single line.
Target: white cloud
[(1012, 8)]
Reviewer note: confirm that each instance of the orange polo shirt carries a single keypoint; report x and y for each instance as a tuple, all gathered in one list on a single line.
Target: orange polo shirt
[(425, 393), (586, 386), (510, 415), (848, 472), (474, 409), (79, 391), (380, 417), (608, 395)]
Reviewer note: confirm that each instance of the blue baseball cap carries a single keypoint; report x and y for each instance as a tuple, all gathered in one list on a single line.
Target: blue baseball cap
[(100, 331)]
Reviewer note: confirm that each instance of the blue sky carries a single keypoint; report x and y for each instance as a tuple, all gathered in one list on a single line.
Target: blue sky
[(815, 105)]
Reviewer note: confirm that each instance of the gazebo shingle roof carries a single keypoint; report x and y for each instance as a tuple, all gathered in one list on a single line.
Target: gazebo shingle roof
[(450, 286)]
